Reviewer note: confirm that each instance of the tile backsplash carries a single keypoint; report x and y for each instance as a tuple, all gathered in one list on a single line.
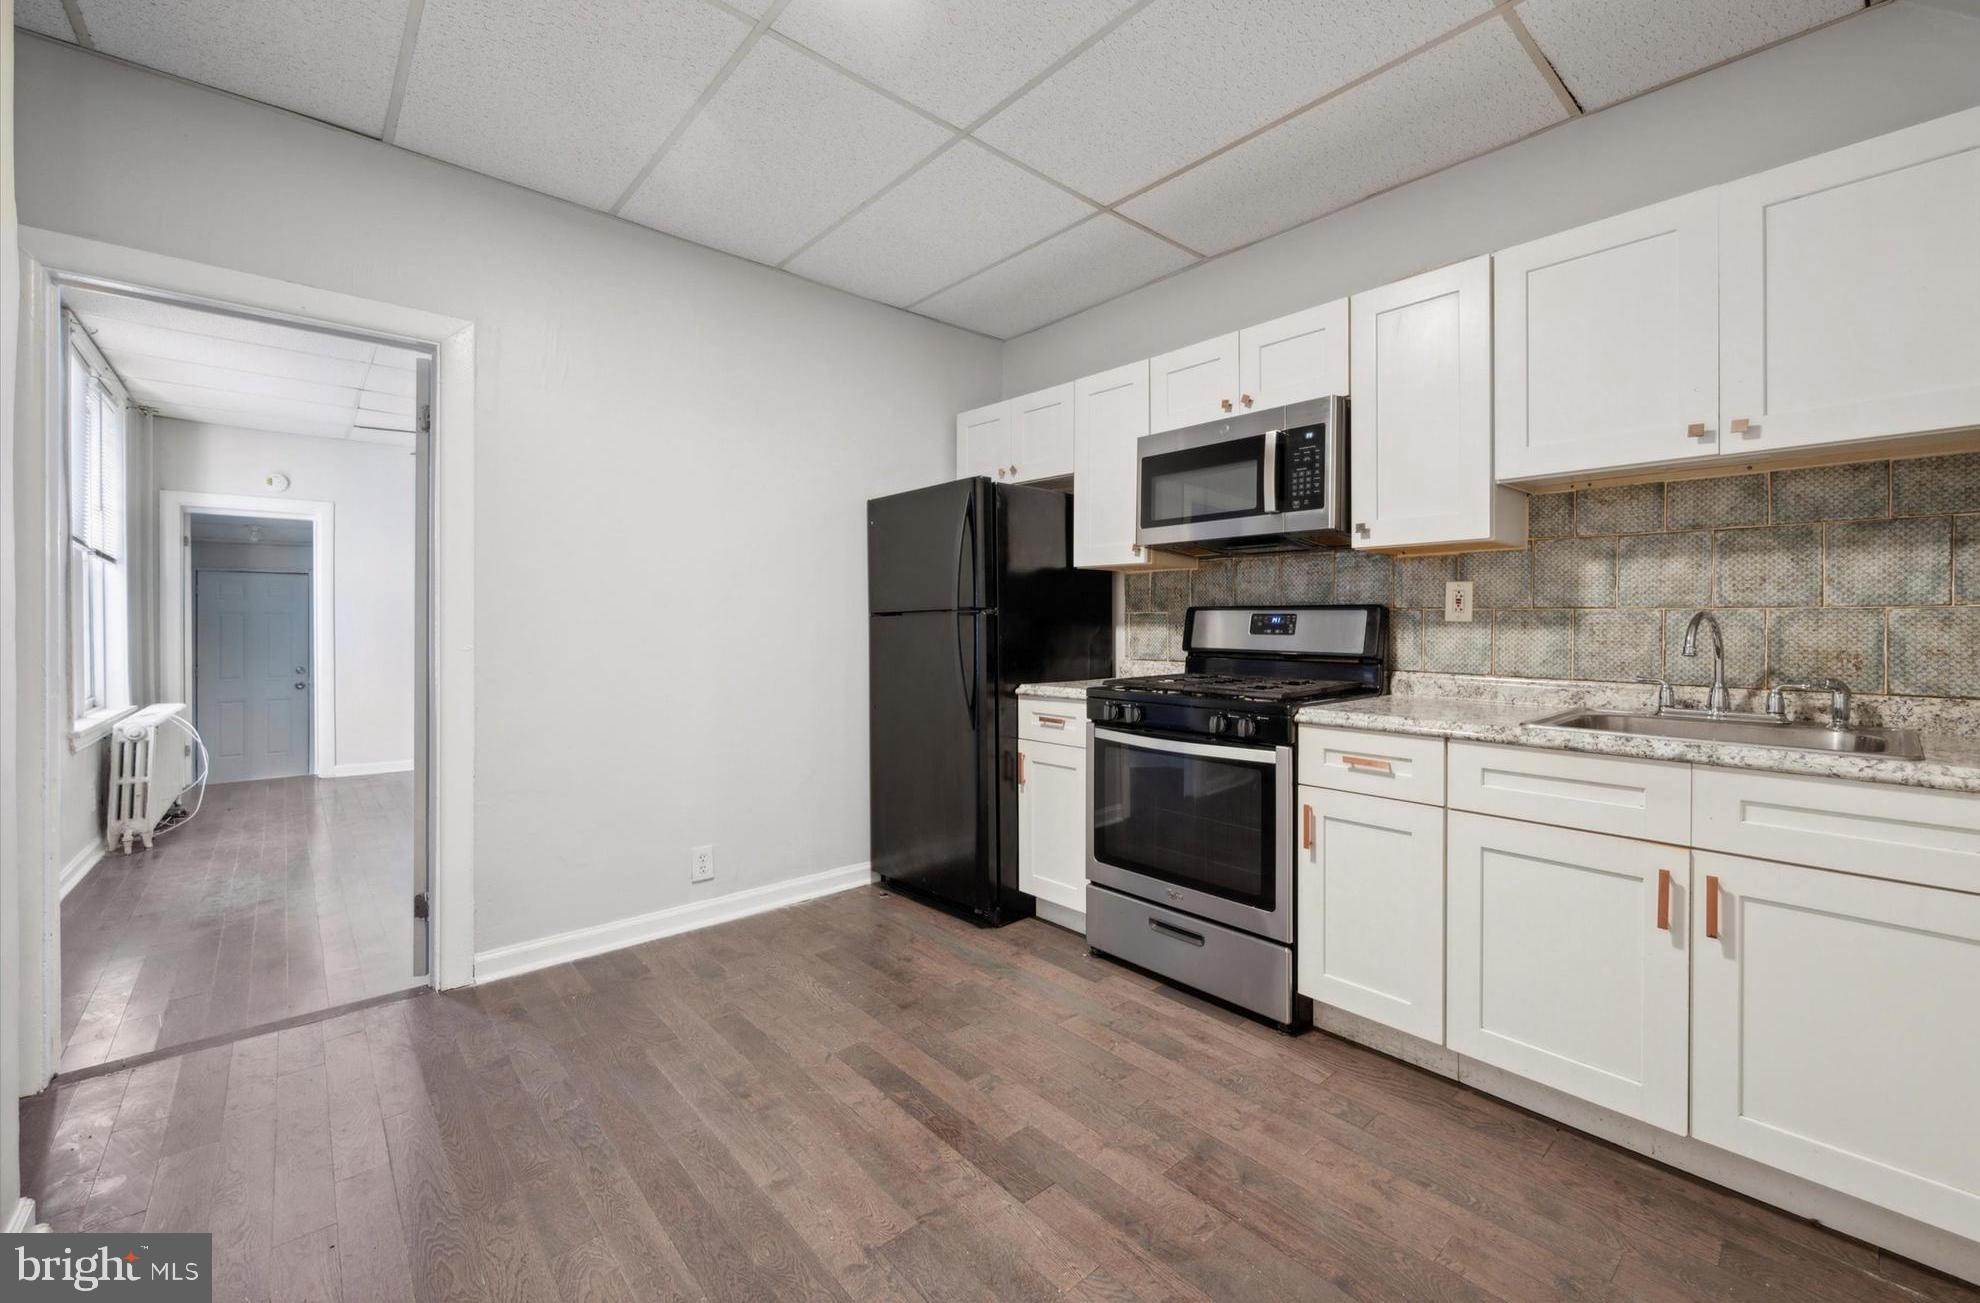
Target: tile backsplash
[(1869, 573)]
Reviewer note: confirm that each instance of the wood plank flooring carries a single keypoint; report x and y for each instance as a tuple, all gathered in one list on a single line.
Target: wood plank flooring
[(859, 1098), (282, 897)]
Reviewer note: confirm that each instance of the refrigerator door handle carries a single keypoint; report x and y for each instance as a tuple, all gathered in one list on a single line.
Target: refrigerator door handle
[(966, 531), (966, 664)]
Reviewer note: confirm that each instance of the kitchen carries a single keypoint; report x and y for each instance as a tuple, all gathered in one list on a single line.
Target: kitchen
[(1127, 648)]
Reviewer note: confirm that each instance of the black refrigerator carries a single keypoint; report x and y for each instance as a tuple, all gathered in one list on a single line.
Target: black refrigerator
[(970, 592)]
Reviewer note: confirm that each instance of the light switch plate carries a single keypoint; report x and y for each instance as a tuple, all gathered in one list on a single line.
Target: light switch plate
[(1457, 601)]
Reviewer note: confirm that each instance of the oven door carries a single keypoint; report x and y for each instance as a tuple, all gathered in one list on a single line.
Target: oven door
[(1199, 827), (1207, 483)]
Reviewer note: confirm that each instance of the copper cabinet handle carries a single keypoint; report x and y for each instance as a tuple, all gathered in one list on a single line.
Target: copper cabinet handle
[(1020, 756), (1306, 827), (1363, 762), (1696, 430), (1051, 721), (1224, 403), (1711, 905), (1245, 399), (1741, 426), (1664, 899)]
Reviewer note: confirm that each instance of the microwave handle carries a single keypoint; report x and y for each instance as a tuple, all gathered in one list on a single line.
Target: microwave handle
[(1271, 472)]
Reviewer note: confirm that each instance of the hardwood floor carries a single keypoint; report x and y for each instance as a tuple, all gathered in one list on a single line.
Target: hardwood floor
[(861, 1098), (282, 897)]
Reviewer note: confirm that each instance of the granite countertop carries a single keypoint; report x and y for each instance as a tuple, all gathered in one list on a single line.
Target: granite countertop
[(1951, 763), (1071, 690)]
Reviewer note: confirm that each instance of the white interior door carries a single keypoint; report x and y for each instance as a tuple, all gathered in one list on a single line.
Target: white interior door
[(253, 676), (1835, 1033), (1606, 343), (1851, 292)]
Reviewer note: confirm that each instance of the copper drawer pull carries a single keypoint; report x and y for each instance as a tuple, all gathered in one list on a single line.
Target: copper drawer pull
[(1664, 899), (1306, 827), (1363, 762), (1051, 721), (1696, 430), (1711, 906), (1742, 426), (1020, 756)]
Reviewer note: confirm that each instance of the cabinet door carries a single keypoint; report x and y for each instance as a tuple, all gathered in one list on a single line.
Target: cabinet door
[(1194, 384), (1042, 434), (1568, 964), (1606, 344), (1421, 432), (1371, 908), (983, 442), (1836, 1033), (1851, 292), (1052, 824), (1110, 412), (1295, 358)]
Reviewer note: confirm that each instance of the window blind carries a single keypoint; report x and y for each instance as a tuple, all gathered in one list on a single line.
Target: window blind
[(96, 481)]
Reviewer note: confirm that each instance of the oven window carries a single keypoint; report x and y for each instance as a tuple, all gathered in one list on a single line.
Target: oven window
[(1199, 822), (1212, 483)]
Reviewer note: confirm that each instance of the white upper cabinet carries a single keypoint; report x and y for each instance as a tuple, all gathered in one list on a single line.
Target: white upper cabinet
[(1110, 412), (1194, 384), (1042, 434), (1294, 358), (984, 445), (1850, 292), (1421, 429), (1606, 344), (1834, 1032)]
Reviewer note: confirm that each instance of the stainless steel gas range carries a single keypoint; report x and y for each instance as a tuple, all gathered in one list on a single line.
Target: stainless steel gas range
[(1190, 807)]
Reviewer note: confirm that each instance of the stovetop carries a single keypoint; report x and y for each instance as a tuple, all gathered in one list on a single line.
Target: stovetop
[(1264, 689)]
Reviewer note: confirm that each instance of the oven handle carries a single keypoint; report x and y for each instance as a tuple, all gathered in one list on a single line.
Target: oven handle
[(1243, 755)]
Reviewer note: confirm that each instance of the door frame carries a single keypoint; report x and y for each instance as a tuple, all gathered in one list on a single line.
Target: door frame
[(446, 728), (176, 617)]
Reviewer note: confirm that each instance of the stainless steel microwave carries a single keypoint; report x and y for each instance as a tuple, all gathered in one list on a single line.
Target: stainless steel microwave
[(1265, 481)]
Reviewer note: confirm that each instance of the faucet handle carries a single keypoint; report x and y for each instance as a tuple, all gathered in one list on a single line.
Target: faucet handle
[(1839, 697), (1666, 696)]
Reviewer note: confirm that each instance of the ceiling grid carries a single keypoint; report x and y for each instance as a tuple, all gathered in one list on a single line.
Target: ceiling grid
[(996, 166)]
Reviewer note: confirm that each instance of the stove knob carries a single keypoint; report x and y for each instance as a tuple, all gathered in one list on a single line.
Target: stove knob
[(1131, 714), (1244, 726), (1110, 713), (1219, 724)]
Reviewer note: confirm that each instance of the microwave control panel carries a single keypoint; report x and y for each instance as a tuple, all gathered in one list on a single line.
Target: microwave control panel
[(1303, 468)]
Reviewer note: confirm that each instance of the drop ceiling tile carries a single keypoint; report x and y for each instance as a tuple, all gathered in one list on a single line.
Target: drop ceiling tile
[(1091, 263), (137, 369), (123, 341), (166, 393), (1607, 50), (956, 58), (959, 214), (569, 100), (785, 148), (95, 307), (269, 421), (329, 61), (47, 17), (392, 438), (1471, 94), (372, 403), (1184, 77)]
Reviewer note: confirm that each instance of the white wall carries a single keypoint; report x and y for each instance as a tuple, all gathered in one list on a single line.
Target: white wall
[(1881, 70), (371, 487), (666, 437)]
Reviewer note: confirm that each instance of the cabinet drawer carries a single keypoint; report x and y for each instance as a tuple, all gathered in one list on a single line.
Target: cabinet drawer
[(1646, 799), (1397, 765), (1048, 719), (1908, 834)]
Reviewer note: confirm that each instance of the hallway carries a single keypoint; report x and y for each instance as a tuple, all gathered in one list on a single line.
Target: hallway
[(282, 897)]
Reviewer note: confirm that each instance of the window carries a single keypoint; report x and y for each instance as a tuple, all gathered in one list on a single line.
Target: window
[(99, 612)]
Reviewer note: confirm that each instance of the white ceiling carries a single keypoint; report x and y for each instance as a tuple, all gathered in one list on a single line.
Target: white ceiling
[(225, 370), (997, 164)]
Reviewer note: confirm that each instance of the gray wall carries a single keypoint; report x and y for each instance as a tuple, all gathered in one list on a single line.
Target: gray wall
[(663, 433), (1884, 69)]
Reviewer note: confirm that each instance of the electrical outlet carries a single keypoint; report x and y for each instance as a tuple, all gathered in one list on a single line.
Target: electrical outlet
[(1457, 601), (704, 864)]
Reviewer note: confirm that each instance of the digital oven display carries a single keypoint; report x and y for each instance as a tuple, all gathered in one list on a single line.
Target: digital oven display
[(1273, 621)]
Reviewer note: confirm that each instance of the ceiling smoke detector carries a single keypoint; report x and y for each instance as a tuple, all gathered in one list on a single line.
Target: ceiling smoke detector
[(277, 481)]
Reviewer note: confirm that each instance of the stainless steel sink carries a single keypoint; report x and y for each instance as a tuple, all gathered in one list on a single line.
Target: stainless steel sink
[(1746, 730)]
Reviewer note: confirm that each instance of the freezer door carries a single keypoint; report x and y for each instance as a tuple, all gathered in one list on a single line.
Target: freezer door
[(927, 550), (933, 754)]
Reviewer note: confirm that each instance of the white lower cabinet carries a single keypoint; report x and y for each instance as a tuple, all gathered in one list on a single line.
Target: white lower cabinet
[(1568, 965), (1371, 908), (1052, 823), (1836, 1032)]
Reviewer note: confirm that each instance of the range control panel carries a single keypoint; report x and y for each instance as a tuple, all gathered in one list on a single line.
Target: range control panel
[(1303, 468)]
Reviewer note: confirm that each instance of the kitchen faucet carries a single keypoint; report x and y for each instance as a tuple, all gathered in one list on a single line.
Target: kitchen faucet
[(1719, 700)]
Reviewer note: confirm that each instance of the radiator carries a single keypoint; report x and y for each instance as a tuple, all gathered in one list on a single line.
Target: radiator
[(151, 764)]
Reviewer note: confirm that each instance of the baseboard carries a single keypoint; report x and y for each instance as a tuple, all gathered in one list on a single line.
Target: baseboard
[(78, 868), (1072, 920), (365, 768), (22, 1219), (1936, 1248), (527, 956)]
